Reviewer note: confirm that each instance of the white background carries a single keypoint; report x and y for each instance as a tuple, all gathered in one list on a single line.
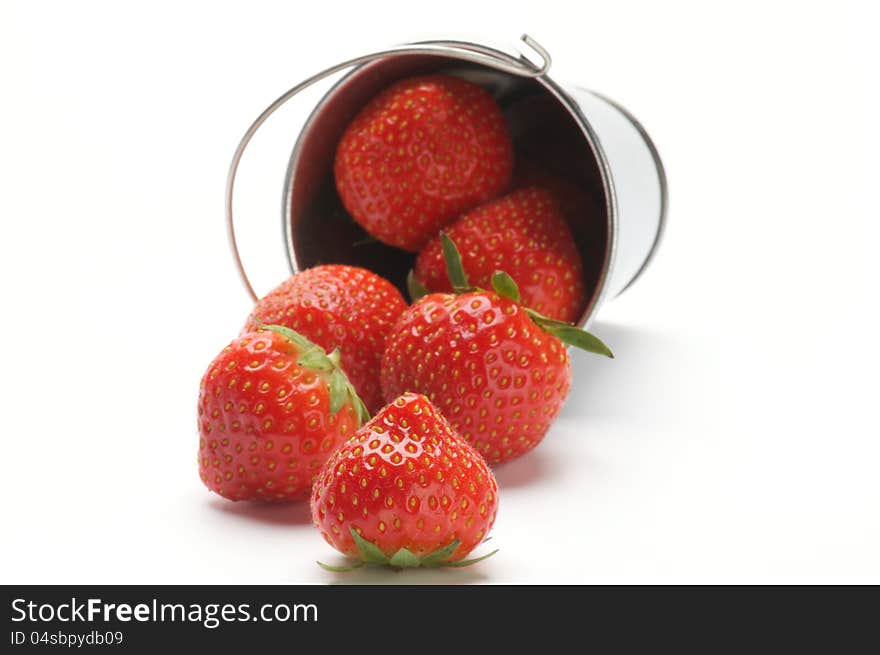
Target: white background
[(734, 438)]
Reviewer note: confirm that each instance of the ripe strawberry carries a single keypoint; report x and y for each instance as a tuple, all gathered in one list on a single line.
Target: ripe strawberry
[(525, 235), (572, 199), (341, 307), (272, 407), (498, 371), (405, 491), (420, 153), (584, 212)]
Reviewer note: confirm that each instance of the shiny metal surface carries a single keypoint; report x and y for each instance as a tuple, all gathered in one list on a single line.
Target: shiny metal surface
[(640, 170)]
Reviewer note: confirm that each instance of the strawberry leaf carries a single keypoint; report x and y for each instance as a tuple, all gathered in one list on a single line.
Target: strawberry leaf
[(340, 569), (438, 557), (338, 387), (366, 241), (316, 359), (370, 552), (544, 321), (574, 336), (468, 562), (415, 288), (505, 285), (570, 334), (404, 559), (454, 267), (359, 407), (286, 332)]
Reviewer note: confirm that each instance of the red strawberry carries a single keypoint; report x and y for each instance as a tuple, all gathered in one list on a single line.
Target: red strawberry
[(525, 235), (585, 213), (574, 203), (272, 407), (338, 306), (406, 491), (498, 371), (420, 153)]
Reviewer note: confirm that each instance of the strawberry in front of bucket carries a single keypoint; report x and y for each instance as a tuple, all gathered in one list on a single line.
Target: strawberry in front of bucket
[(419, 154), (405, 491), (525, 234), (272, 408), (499, 371)]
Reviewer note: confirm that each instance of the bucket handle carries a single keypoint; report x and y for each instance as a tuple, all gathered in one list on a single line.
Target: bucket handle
[(475, 53)]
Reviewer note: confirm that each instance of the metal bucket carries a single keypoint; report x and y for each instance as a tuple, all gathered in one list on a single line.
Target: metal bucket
[(586, 139)]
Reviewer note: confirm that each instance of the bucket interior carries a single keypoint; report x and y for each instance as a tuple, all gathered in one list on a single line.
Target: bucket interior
[(547, 138)]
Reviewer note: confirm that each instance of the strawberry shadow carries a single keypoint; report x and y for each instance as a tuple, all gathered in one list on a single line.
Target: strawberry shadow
[(282, 514), (384, 576), (525, 471), (634, 385), (622, 388)]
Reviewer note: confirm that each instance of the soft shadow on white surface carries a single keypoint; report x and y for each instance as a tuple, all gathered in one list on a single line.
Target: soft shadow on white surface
[(289, 514), (528, 470), (635, 384), (383, 576)]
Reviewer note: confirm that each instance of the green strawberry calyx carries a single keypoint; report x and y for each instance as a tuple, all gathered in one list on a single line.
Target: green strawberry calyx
[(371, 555), (312, 356), (415, 288), (506, 286)]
